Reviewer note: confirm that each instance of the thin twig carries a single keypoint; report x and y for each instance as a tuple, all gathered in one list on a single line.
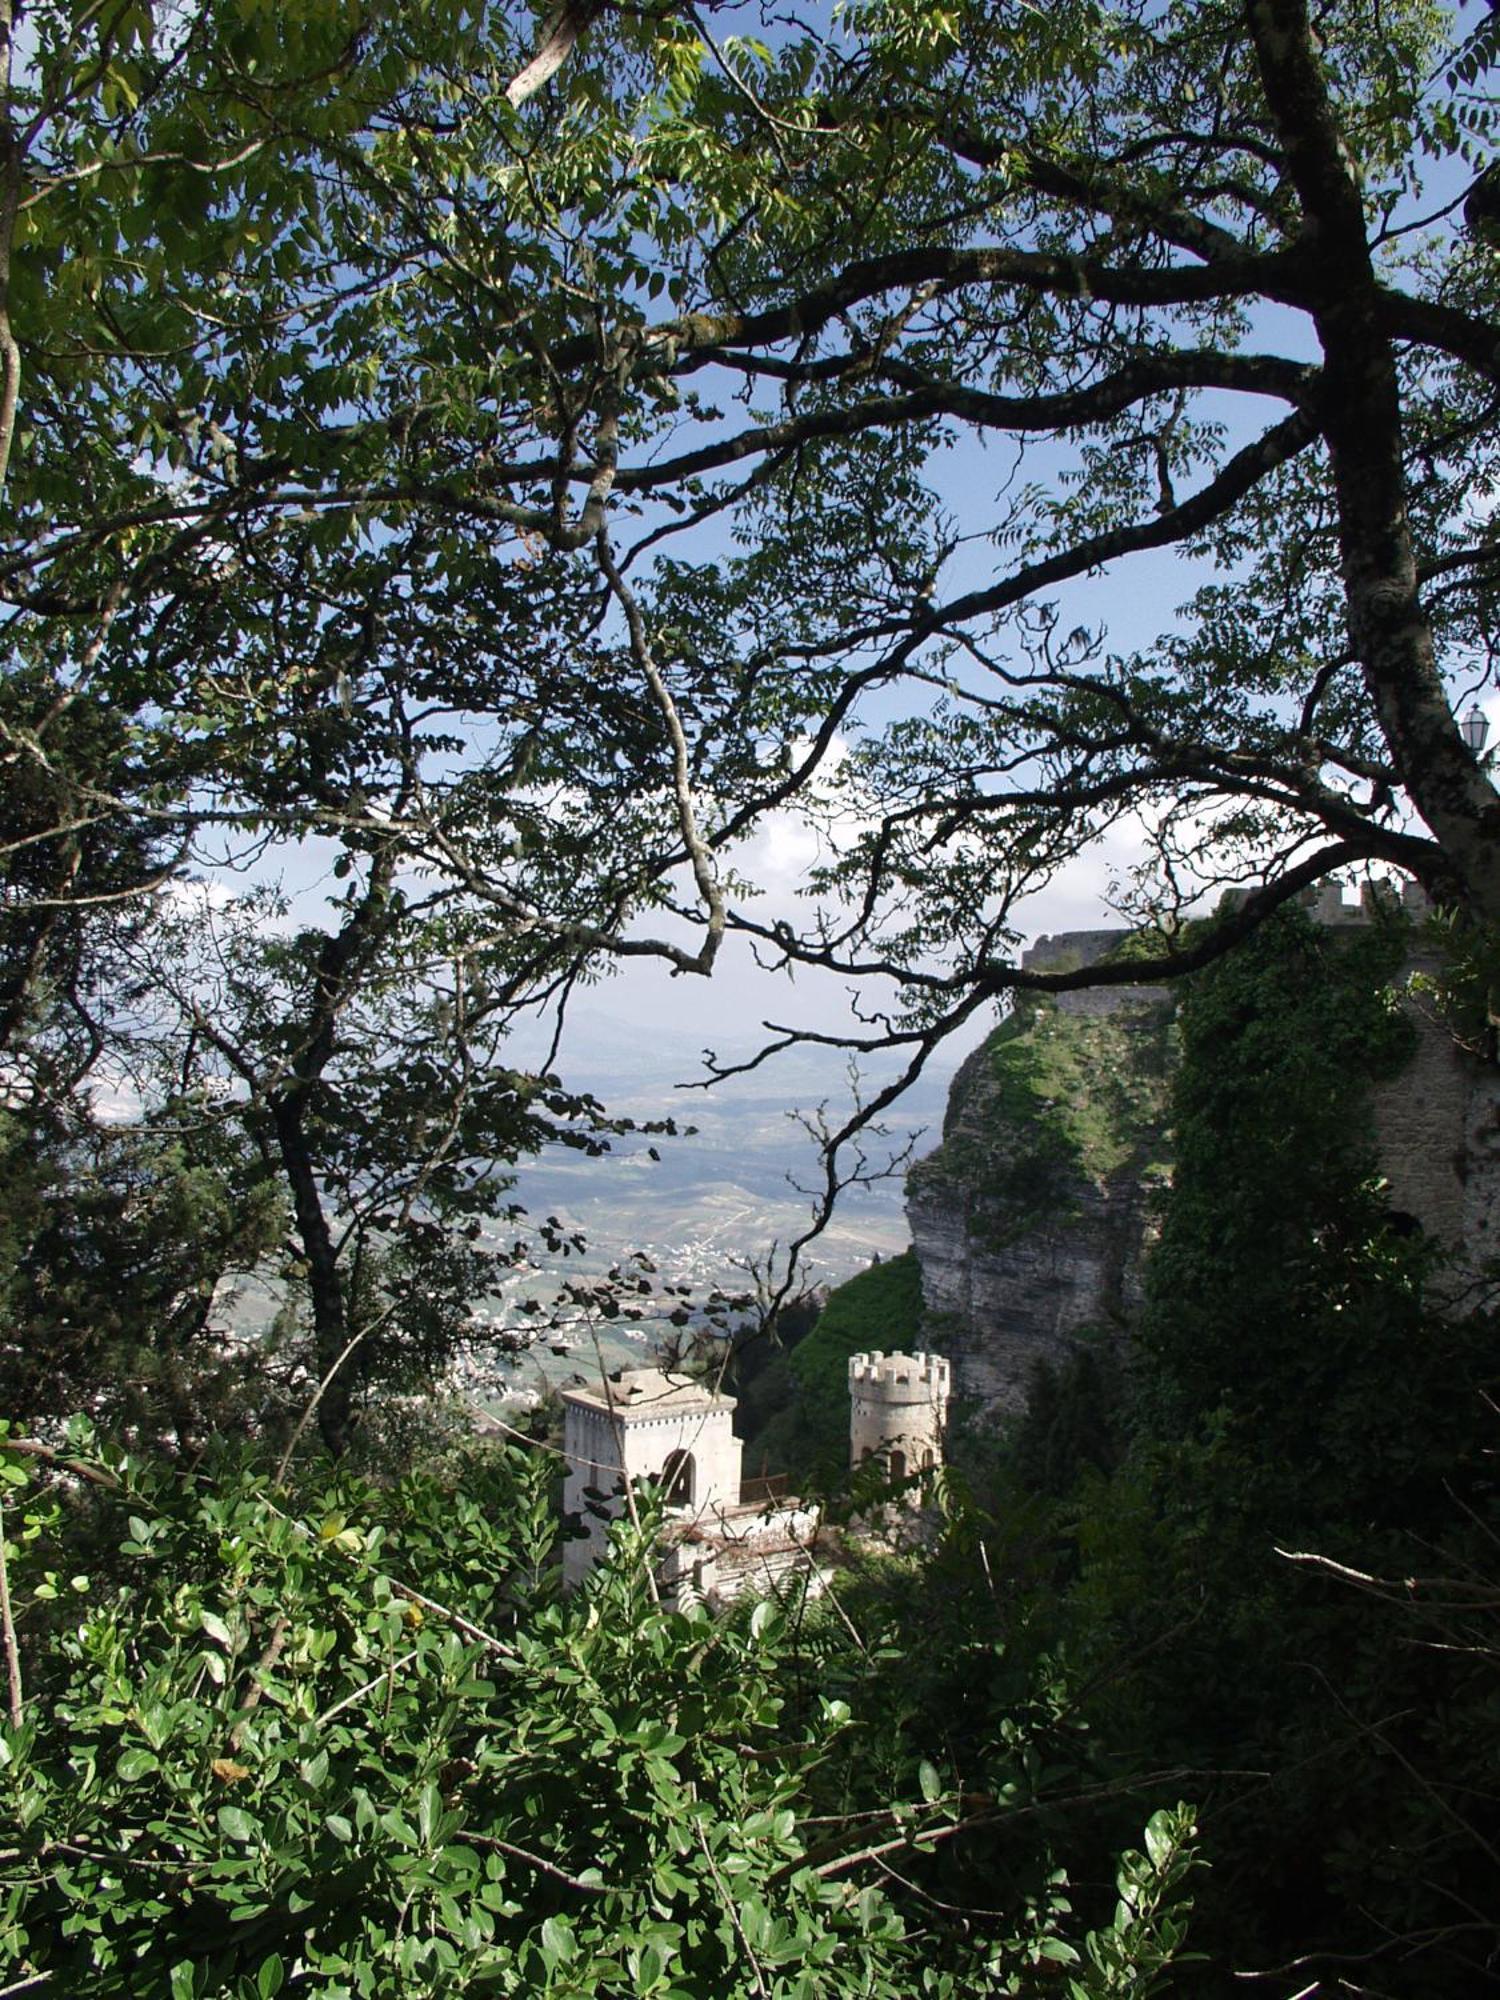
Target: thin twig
[(8, 1624), (455, 1618), (409, 1596), (849, 1626), (317, 1396), (951, 1909), (536, 1861), (704, 873), (521, 1437), (50, 1455), (349, 1700), (731, 1910), (269, 1656), (151, 1863)]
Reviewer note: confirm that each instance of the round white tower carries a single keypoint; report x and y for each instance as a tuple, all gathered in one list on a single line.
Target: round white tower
[(898, 1410)]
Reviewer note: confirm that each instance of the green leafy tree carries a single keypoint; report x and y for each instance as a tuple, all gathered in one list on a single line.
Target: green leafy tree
[(214, 249), (117, 1246), (363, 1067), (470, 313), (76, 874), (1305, 1417), (937, 228)]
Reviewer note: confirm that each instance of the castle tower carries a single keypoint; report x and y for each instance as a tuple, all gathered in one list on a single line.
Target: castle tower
[(898, 1410), (644, 1424)]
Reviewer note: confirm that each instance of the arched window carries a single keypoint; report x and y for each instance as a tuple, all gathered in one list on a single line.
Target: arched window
[(678, 1476), (897, 1464)]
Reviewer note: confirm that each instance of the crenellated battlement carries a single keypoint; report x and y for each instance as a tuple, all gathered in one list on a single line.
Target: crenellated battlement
[(898, 1411), (1326, 903), (929, 1374)]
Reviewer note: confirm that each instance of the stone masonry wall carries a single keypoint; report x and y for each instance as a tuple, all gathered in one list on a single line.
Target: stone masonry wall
[(1437, 1124)]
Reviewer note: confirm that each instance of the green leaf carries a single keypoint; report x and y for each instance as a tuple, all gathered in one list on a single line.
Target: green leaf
[(1058, 1951), (558, 1943), (236, 1823), (1160, 1840), (210, 1623), (767, 1621)]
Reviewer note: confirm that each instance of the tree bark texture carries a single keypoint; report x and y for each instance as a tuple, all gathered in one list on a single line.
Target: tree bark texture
[(1361, 413), (341, 962)]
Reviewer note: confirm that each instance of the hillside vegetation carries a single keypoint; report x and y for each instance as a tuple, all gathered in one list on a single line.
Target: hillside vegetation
[(1059, 1100), (878, 1308)]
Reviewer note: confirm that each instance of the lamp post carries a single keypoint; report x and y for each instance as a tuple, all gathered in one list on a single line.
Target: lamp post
[(1476, 729)]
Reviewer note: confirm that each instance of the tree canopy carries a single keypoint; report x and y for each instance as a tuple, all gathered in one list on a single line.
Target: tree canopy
[(525, 454), (510, 454), (354, 342)]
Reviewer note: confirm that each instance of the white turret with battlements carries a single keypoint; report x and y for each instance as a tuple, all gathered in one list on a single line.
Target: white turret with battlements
[(898, 1410)]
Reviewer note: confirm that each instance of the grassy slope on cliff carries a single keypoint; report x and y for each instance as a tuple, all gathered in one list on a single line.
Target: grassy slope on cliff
[(1050, 1102)]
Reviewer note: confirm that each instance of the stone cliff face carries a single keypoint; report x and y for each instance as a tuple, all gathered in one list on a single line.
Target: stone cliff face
[(1030, 1219), (1437, 1125)]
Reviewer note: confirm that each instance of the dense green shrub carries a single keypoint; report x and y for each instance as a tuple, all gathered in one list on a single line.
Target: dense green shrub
[(357, 1745), (1296, 1391)]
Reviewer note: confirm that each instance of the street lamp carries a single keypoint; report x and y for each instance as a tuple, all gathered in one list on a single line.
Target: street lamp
[(1476, 729)]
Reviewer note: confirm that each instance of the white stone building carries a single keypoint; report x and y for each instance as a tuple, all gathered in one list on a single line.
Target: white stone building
[(725, 1535), (648, 1426)]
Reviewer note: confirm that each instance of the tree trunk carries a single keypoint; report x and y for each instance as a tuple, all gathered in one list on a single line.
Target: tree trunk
[(342, 961), (1361, 415), (324, 1284)]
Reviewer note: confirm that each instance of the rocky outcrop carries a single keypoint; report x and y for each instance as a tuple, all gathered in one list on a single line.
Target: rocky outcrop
[(1030, 1220)]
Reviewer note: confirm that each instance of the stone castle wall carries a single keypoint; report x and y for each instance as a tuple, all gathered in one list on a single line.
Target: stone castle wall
[(1437, 1124), (1070, 950)]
